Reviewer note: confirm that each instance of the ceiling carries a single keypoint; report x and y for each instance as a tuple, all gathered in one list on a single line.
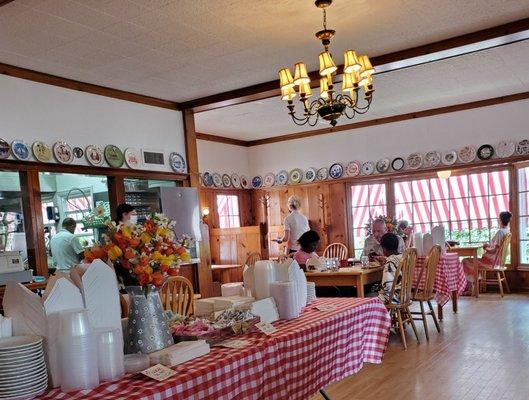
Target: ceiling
[(184, 49)]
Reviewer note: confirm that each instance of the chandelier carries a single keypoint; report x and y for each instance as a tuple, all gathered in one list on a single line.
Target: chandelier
[(330, 105)]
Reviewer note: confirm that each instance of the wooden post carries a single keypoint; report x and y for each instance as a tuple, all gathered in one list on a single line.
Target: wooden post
[(322, 202), (116, 193), (263, 227), (205, 280)]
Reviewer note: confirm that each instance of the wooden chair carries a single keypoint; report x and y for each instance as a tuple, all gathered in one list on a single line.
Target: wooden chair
[(498, 268), (252, 259), (400, 311), (426, 294), (336, 250), (177, 295)]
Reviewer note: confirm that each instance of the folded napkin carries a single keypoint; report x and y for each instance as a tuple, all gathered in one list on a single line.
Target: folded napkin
[(179, 353), (232, 289)]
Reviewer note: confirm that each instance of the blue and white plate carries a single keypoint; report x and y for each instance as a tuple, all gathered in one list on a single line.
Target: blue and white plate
[(177, 162), (20, 150), (336, 171), (310, 175), (368, 168), (282, 178), (226, 180), (207, 178), (257, 182), (217, 180)]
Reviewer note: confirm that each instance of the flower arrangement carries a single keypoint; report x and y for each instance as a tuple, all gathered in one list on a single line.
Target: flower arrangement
[(391, 223), (142, 254), (98, 217)]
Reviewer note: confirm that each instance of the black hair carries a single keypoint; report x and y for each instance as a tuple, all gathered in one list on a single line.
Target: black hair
[(68, 223), (123, 209), (308, 238), (505, 217), (390, 242)]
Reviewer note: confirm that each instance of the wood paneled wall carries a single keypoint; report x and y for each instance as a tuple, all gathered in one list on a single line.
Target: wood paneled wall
[(234, 245)]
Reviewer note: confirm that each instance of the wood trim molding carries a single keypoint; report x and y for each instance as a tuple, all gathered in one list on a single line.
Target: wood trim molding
[(41, 77), (222, 139), (4, 2), (494, 36)]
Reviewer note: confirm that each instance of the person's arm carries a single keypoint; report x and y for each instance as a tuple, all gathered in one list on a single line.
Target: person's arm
[(493, 246), (76, 246), (286, 235)]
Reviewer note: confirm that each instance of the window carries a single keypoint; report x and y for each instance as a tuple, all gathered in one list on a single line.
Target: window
[(523, 212), (228, 210), (12, 236), (367, 201), (466, 205)]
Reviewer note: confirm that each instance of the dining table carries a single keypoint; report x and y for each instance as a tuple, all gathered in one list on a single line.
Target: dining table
[(349, 276), (472, 253), (329, 341)]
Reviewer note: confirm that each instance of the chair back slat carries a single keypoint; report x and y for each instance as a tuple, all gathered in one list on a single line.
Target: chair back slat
[(429, 270), (178, 296), (405, 272), (336, 250), (503, 251), (252, 259)]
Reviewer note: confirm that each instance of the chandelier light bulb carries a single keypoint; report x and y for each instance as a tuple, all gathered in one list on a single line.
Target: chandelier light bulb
[(324, 87), (327, 65), (288, 93), (305, 89)]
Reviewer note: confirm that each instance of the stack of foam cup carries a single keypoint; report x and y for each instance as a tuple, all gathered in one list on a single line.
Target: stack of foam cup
[(311, 292), (78, 351), (110, 354)]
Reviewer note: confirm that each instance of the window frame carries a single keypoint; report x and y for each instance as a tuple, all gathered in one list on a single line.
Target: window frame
[(229, 216)]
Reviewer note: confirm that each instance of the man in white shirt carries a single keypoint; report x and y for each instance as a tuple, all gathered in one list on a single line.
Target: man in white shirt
[(372, 247), (65, 247), (296, 224)]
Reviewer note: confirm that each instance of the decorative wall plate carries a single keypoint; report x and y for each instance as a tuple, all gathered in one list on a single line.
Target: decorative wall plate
[(352, 169), (257, 182), (20, 150), (397, 164), (336, 171), (78, 152), (522, 148), (310, 175), (94, 155), (322, 174), (226, 180), (414, 161), (235, 181), (133, 159), (368, 168), (282, 178), (114, 156), (207, 179), (295, 176), (485, 152), (467, 154), (178, 164), (432, 159), (382, 165), (505, 148), (449, 157), (5, 148), (269, 179), (217, 180), (63, 152), (41, 151), (245, 183)]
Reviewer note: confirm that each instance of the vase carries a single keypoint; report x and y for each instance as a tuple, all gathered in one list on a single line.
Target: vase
[(148, 328)]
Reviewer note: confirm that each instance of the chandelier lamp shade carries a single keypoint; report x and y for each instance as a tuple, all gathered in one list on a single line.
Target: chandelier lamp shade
[(357, 83)]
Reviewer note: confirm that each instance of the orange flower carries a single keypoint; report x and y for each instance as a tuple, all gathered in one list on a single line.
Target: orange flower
[(134, 242), (157, 279), (144, 279), (114, 253), (173, 271), (149, 226), (129, 253), (180, 250)]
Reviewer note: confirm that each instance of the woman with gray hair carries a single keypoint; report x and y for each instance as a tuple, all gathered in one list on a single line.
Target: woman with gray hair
[(296, 224)]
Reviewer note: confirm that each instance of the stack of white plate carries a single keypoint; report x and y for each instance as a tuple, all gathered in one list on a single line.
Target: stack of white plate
[(23, 373)]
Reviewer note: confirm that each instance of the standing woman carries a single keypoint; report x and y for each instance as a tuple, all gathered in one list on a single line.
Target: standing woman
[(126, 213), (296, 224)]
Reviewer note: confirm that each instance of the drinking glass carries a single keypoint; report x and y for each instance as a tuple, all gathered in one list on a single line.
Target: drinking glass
[(364, 260)]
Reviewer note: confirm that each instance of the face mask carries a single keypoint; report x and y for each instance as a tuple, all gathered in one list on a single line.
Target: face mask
[(133, 219)]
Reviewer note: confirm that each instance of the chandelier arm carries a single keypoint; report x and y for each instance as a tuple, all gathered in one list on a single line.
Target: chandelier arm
[(363, 110), (299, 121), (347, 115)]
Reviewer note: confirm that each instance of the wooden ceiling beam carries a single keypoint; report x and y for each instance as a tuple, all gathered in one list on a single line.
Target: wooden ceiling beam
[(222, 139), (4, 2), (456, 46)]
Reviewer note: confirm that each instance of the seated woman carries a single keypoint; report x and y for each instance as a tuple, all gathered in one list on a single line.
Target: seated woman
[(309, 243), (491, 249), (390, 246)]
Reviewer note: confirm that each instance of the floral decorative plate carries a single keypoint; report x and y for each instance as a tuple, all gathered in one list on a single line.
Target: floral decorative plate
[(282, 178), (449, 157), (235, 181), (505, 148), (245, 183), (226, 180), (20, 150), (178, 164), (336, 171), (5, 148), (382, 165), (78, 152), (522, 148), (485, 152), (467, 154), (63, 152), (133, 159), (94, 155), (207, 178), (310, 175), (114, 156), (257, 182), (432, 159), (269, 180), (217, 180), (322, 174), (397, 164), (368, 168), (41, 151), (295, 176), (352, 169), (415, 161)]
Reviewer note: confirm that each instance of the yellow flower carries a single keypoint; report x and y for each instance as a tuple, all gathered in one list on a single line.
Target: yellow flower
[(185, 257), (126, 231), (145, 237), (157, 256), (114, 253)]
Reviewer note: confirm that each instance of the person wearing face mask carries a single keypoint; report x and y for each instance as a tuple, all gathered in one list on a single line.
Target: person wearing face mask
[(125, 213)]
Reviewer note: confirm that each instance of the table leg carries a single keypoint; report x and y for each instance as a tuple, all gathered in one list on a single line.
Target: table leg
[(360, 285), (440, 311), (324, 394), (476, 274), (454, 301)]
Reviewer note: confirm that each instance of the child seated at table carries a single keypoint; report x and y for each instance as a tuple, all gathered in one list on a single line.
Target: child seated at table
[(309, 243), (390, 246)]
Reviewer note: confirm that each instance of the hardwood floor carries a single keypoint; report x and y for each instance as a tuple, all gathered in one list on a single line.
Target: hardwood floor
[(481, 353)]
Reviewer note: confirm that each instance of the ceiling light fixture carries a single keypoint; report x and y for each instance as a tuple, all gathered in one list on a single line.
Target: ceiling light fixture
[(330, 105)]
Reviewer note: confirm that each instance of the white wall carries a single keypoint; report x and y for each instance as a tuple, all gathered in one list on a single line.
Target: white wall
[(33, 111), (223, 158)]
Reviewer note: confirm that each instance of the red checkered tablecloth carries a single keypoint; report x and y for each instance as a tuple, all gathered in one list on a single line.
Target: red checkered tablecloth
[(303, 356), (449, 277)]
